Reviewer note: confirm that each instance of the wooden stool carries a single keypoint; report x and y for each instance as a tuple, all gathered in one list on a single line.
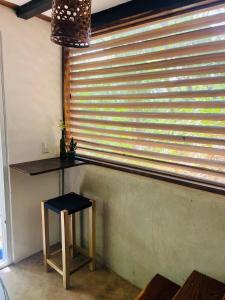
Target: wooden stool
[(67, 205)]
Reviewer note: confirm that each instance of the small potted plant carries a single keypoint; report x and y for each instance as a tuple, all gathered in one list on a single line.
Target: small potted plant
[(72, 149)]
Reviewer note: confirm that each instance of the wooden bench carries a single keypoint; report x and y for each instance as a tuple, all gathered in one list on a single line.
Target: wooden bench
[(159, 288)]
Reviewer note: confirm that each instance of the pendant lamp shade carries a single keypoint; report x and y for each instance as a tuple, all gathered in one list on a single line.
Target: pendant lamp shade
[(71, 23)]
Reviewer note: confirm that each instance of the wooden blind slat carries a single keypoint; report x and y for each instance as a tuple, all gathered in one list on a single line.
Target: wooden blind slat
[(178, 38), (175, 104), (149, 115), (216, 165), (168, 63), (157, 33), (184, 128), (150, 136), (153, 75), (151, 85), (151, 144), (165, 95), (163, 54)]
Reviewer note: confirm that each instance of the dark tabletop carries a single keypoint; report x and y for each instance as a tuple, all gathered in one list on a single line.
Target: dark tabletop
[(46, 165)]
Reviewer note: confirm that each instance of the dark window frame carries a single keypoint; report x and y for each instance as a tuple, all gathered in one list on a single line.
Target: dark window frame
[(158, 175)]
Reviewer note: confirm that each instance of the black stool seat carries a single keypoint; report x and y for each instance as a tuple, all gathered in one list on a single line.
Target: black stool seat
[(71, 202)]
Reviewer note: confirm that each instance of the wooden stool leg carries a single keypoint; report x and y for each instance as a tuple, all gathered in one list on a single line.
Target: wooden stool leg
[(92, 251), (65, 248), (45, 233), (73, 234)]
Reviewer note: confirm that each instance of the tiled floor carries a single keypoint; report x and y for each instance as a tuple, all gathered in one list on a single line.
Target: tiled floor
[(28, 281)]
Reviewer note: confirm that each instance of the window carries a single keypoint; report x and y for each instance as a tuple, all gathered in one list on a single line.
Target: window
[(153, 95)]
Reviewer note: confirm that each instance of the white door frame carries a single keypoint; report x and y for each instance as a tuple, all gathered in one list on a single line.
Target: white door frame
[(5, 187)]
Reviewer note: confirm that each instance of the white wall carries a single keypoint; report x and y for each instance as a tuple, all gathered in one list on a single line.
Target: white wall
[(32, 79)]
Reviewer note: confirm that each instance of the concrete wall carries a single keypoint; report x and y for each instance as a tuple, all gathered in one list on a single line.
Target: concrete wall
[(32, 82), (146, 226)]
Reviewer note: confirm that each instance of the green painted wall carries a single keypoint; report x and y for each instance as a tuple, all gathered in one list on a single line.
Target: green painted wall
[(146, 226)]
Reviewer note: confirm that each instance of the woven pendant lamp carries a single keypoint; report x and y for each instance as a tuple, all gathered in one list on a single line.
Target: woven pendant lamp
[(71, 23)]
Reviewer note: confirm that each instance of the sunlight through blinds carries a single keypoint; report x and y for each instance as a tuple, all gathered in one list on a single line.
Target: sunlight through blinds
[(153, 96)]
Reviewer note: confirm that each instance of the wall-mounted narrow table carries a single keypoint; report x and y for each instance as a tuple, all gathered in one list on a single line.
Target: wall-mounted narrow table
[(42, 166), (38, 167)]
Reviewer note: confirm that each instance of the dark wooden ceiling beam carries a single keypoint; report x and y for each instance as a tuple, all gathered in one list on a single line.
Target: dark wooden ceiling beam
[(132, 8), (111, 15), (33, 8), (15, 6), (8, 4)]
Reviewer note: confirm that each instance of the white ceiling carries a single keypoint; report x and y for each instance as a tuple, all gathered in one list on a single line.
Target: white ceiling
[(97, 5)]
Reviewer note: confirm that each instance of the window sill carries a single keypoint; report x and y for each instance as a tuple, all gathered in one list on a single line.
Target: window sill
[(167, 177)]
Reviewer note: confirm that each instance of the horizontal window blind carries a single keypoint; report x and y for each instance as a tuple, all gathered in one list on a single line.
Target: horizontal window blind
[(153, 96)]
